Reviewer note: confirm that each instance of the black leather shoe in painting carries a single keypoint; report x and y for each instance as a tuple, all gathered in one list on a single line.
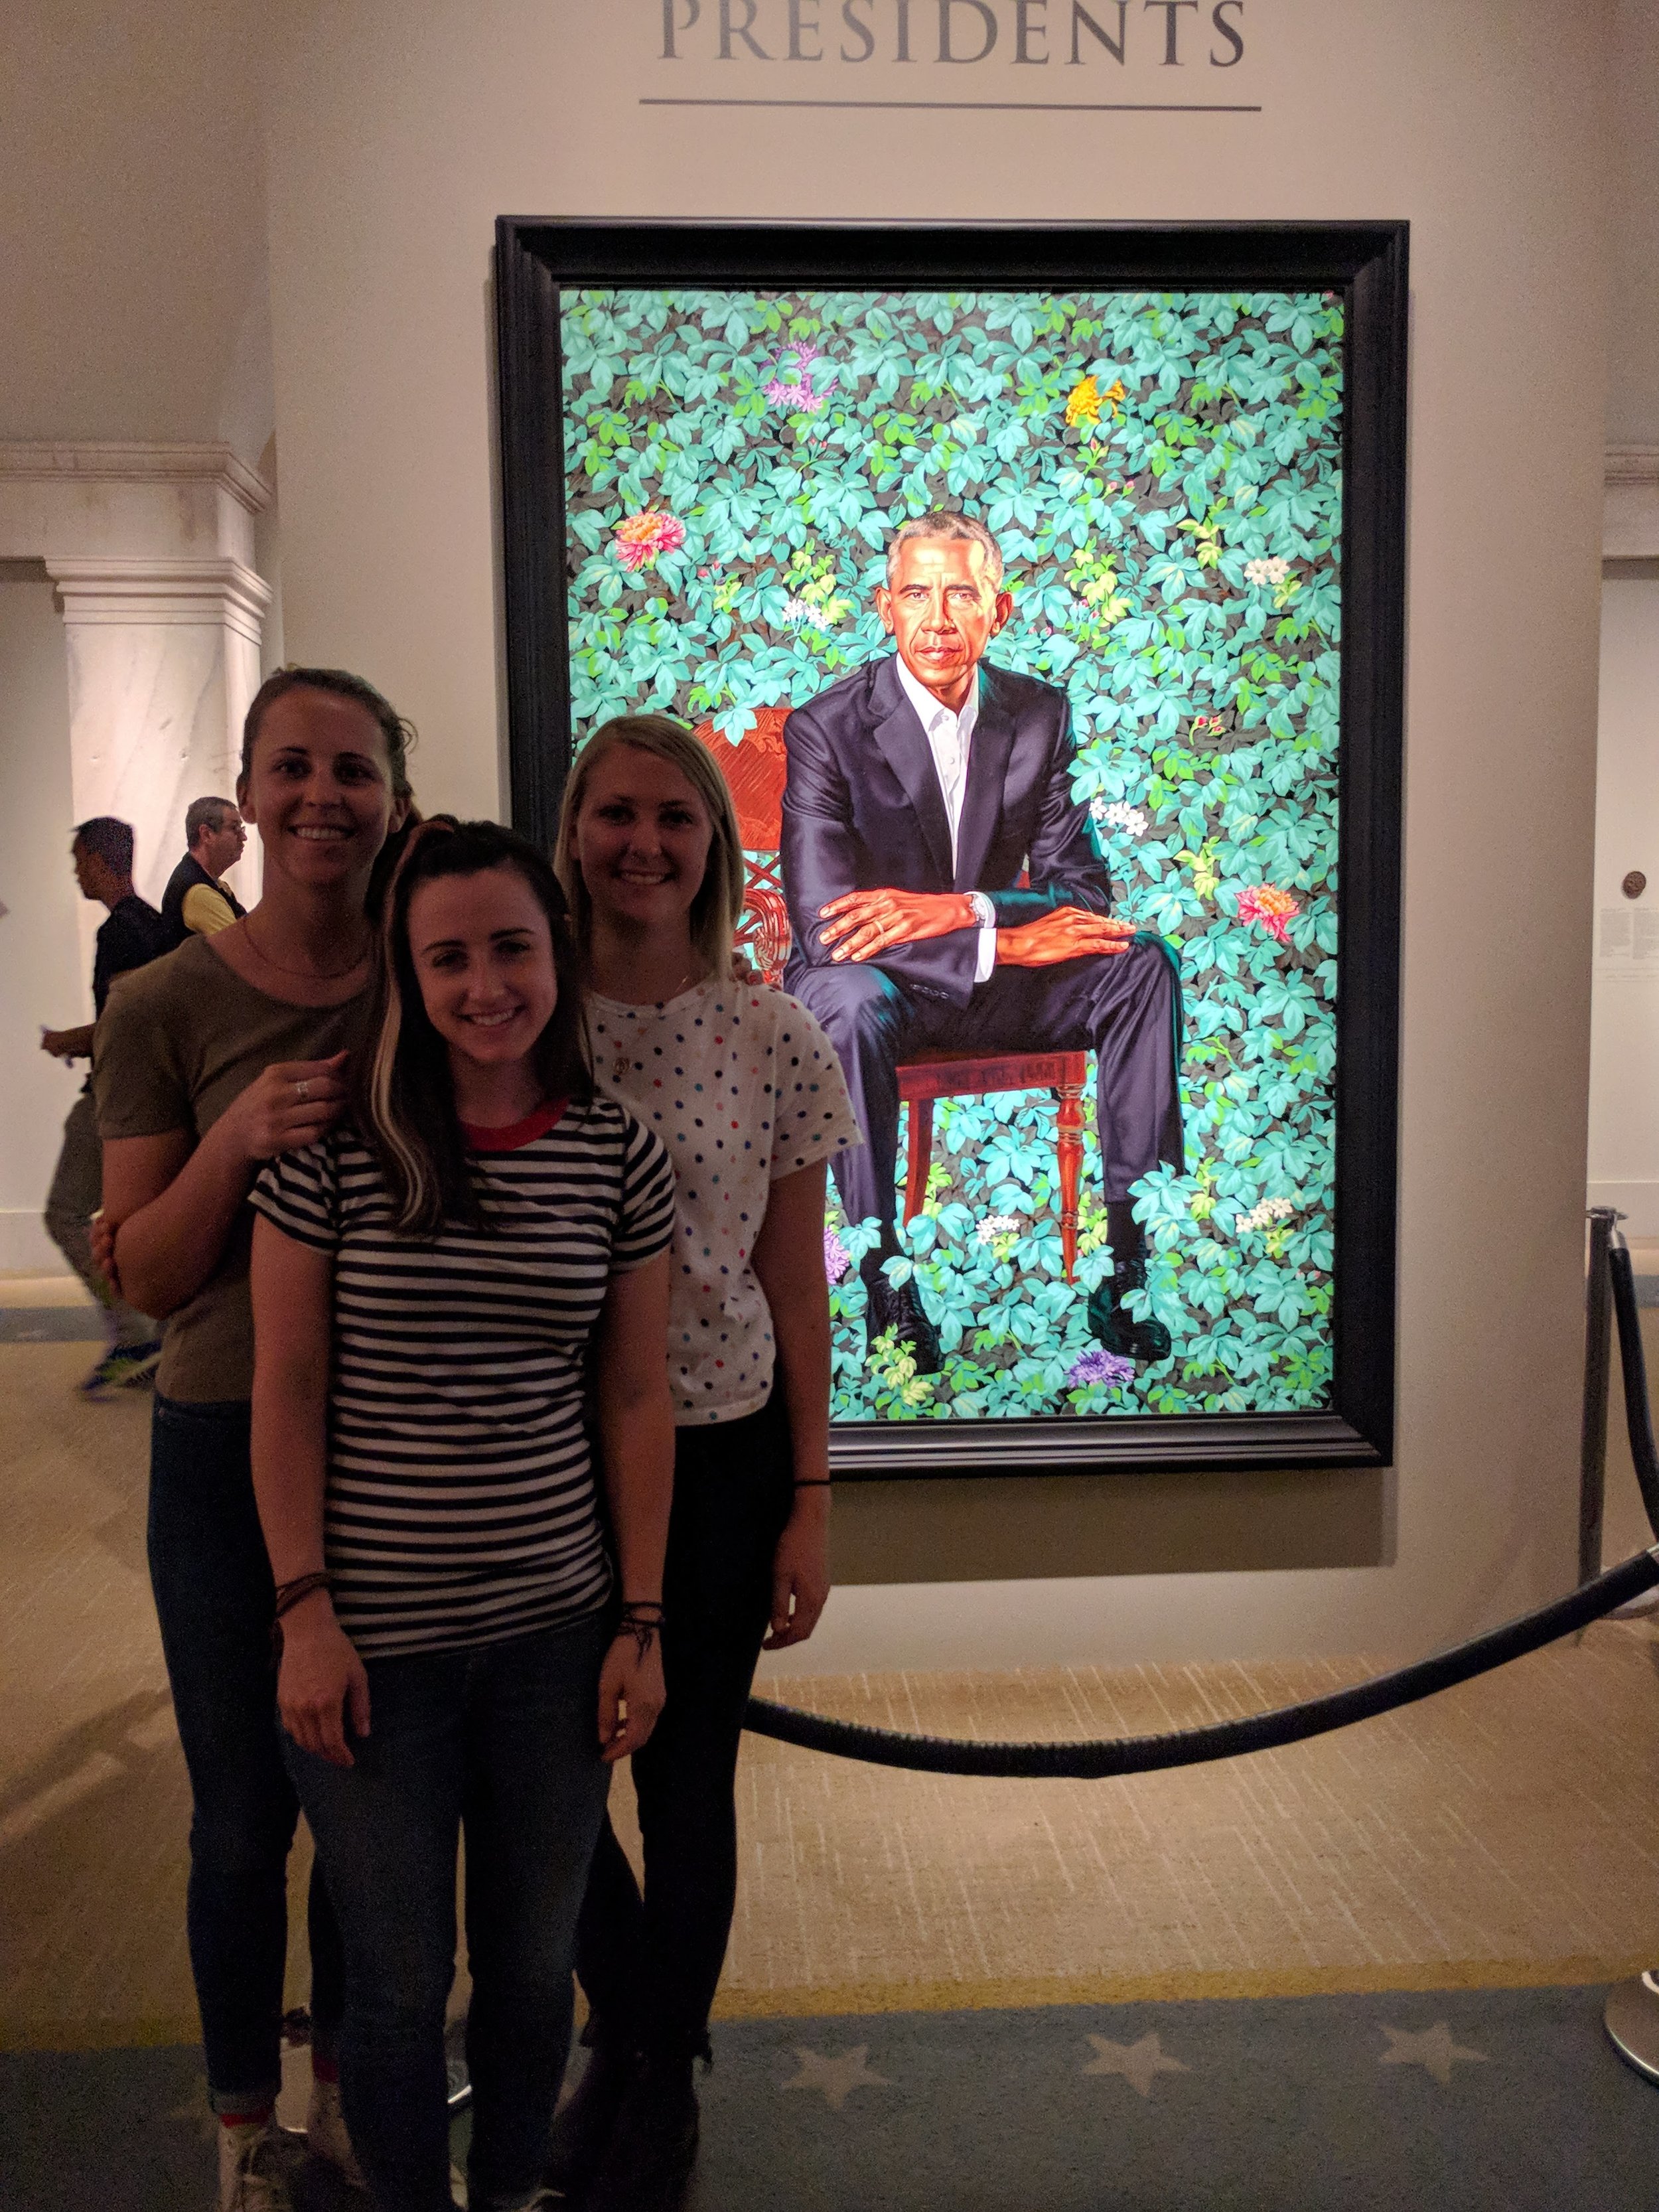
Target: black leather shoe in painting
[(899, 1307), (1116, 1329)]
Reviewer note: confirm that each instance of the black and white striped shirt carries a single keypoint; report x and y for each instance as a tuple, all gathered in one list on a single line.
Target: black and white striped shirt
[(460, 1506)]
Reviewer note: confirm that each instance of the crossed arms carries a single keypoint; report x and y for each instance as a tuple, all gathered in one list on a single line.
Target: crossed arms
[(931, 938)]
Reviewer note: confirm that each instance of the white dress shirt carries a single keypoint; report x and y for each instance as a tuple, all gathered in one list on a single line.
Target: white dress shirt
[(950, 740)]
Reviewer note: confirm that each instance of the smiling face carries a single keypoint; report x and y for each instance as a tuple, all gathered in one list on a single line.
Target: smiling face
[(483, 952), (642, 839), (320, 789), (942, 610)]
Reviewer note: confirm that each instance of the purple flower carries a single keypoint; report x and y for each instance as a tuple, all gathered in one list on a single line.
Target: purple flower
[(836, 1258), (1100, 1366)]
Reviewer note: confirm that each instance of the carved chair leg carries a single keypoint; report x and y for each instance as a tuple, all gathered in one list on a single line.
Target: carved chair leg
[(922, 1156), (1068, 1146)]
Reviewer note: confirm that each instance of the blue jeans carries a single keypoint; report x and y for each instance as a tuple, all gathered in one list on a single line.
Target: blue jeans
[(214, 1598), (501, 1740)]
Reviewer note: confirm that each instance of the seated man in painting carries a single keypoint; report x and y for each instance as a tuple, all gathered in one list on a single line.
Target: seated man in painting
[(946, 893)]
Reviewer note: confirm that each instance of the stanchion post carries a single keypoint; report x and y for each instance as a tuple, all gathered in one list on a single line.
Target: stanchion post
[(1593, 1430)]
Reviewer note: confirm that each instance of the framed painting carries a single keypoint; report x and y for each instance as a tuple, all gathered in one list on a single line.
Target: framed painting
[(1039, 592)]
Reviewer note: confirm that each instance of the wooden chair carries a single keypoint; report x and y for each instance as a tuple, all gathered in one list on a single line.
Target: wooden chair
[(754, 769)]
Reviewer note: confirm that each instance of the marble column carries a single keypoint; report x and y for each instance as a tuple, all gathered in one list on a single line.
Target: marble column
[(163, 659)]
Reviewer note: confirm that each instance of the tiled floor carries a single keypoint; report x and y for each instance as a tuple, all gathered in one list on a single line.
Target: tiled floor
[(1501, 1832)]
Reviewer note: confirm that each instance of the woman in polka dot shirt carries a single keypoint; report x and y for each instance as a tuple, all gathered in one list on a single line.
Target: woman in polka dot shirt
[(743, 1088)]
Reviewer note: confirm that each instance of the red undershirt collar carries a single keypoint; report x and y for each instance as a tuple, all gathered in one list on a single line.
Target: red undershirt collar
[(515, 1134)]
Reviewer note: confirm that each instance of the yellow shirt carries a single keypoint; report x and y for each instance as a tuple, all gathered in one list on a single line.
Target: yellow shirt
[(206, 910)]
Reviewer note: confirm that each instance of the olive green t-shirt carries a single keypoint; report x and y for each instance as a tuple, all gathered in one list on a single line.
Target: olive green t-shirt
[(180, 1040)]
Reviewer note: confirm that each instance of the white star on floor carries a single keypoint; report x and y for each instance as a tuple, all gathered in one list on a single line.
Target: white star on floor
[(1431, 2048), (1136, 2061), (837, 2077)]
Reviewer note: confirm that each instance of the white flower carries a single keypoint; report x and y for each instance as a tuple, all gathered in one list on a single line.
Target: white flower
[(1273, 571), (797, 612), (1270, 1210), (998, 1224), (1118, 815)]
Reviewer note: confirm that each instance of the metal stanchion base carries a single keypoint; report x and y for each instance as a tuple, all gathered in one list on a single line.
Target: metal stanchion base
[(460, 2085), (1632, 2020)]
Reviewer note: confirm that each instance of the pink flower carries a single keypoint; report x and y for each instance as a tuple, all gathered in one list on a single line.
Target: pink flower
[(798, 399), (639, 538), (1272, 907)]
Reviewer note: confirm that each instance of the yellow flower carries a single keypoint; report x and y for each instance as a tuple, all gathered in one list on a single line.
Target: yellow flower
[(1083, 404)]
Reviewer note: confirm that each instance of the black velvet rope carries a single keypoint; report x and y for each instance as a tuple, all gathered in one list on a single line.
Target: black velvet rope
[(1143, 1755)]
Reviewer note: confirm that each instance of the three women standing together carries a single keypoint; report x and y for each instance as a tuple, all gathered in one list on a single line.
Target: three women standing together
[(474, 1242)]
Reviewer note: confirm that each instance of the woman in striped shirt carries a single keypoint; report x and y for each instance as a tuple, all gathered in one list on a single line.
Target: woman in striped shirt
[(427, 1281)]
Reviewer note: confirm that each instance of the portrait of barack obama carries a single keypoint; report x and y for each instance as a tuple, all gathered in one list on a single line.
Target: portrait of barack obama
[(945, 893)]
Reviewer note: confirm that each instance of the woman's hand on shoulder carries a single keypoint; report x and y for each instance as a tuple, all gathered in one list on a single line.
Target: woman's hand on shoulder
[(321, 1679), (287, 1107), (631, 1694)]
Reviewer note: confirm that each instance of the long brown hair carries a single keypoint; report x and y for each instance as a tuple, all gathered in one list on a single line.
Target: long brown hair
[(406, 1093)]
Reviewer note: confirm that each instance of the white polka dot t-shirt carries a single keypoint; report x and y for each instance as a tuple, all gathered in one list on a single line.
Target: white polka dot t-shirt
[(743, 1088)]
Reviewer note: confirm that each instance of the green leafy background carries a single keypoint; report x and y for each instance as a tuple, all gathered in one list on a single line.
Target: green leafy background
[(1173, 551)]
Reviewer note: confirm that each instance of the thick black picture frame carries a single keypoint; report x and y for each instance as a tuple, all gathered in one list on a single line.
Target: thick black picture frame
[(536, 257)]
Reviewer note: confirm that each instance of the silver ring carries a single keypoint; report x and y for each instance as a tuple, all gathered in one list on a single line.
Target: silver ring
[(302, 1090)]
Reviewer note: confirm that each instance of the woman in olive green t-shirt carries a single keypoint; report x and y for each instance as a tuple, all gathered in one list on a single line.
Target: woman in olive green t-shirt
[(206, 1064)]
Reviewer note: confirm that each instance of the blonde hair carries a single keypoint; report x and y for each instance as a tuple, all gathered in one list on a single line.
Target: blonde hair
[(718, 901)]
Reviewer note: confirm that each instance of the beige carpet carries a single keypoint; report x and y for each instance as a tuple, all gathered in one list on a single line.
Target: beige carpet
[(1504, 1833)]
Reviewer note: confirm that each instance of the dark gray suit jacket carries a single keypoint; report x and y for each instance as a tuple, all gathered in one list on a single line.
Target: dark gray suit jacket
[(862, 810)]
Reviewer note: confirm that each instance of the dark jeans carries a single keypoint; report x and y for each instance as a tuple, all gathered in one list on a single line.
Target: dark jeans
[(500, 1741), (1125, 1007), (77, 1193), (213, 1599), (649, 1965)]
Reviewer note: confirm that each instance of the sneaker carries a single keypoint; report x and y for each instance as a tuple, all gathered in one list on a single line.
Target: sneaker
[(326, 2136), (124, 1366), (253, 2177)]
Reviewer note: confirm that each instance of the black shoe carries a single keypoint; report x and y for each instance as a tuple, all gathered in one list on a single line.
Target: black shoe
[(654, 2142), (1116, 1328), (898, 1307), (585, 2122)]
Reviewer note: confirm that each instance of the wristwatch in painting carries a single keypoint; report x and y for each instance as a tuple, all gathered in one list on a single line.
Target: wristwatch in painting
[(984, 913)]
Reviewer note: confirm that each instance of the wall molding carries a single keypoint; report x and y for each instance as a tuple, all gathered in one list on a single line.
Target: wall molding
[(138, 461), (1630, 513), (122, 590)]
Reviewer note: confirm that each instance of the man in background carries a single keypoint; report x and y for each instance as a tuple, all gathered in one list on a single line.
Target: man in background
[(134, 934), (197, 902)]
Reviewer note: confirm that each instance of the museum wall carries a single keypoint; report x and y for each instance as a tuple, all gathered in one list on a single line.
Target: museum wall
[(132, 208), (1624, 1096), (40, 970), (391, 153), (395, 137)]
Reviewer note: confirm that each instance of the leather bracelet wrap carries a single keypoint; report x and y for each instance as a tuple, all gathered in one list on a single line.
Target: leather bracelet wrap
[(643, 1620), (289, 1594), (815, 1482)]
